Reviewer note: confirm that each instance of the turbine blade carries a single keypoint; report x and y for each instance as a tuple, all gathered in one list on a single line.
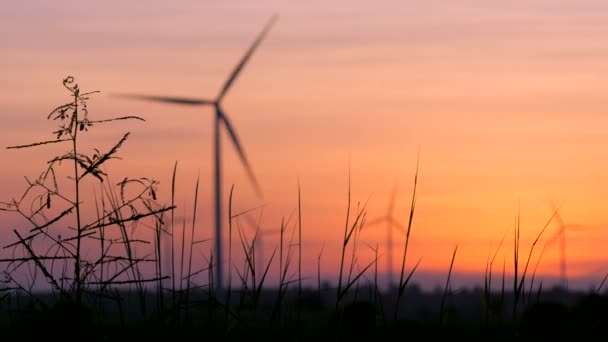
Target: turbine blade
[(399, 226), (553, 238), (576, 227), (387, 219), (246, 57), (168, 99), (378, 220), (252, 222), (239, 148)]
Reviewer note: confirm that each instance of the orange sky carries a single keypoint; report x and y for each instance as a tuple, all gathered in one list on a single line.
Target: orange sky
[(506, 101)]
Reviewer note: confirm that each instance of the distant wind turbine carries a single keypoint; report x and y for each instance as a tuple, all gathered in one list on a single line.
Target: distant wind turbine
[(260, 234), (220, 118), (391, 222), (561, 235)]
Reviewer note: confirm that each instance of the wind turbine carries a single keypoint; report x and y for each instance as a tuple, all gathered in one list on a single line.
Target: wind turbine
[(391, 222), (561, 235), (260, 234), (219, 119)]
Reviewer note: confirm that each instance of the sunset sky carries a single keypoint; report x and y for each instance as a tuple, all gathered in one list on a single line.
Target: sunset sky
[(507, 102)]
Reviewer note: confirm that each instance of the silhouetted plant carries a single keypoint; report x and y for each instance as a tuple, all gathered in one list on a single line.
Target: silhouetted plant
[(404, 278), (59, 214), (351, 234)]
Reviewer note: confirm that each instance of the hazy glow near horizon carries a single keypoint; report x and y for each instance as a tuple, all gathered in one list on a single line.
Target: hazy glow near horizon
[(506, 101)]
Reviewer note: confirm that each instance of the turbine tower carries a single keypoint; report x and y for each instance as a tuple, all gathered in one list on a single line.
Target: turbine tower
[(561, 235), (391, 222), (220, 119)]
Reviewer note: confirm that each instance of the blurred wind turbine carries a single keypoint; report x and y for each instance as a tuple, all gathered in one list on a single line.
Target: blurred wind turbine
[(561, 235), (391, 222), (220, 118), (258, 239)]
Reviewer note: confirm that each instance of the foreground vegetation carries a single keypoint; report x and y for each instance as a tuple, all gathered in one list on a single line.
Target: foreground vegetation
[(102, 276)]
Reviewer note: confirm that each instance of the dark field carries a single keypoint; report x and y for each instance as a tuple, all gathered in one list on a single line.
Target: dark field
[(364, 314)]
